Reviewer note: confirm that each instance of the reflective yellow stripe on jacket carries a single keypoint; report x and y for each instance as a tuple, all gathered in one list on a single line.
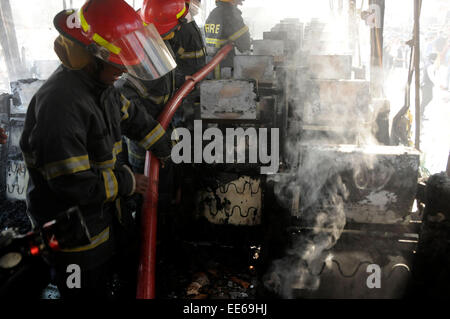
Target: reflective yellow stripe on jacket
[(216, 42), (111, 185), (238, 34), (117, 149), (95, 241), (220, 42), (125, 106), (190, 54), (66, 167), (152, 137)]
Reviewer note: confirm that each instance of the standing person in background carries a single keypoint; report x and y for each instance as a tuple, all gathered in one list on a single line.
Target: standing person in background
[(429, 81), (190, 55), (225, 24), (444, 61), (188, 45)]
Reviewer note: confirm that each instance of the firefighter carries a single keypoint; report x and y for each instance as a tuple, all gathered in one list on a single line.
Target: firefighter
[(188, 45), (190, 55), (3, 136), (165, 16), (72, 136), (225, 24)]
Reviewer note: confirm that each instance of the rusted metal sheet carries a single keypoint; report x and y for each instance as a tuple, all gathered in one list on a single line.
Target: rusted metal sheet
[(255, 67), (228, 100)]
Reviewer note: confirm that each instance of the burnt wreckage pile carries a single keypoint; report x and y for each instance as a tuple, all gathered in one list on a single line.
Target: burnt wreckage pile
[(340, 201), (13, 172)]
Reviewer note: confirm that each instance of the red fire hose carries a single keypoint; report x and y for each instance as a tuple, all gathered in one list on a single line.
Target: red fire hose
[(147, 265)]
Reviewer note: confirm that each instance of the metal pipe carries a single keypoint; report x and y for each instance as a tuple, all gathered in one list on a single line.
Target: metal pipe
[(448, 165), (8, 41), (417, 9), (147, 260), (376, 55)]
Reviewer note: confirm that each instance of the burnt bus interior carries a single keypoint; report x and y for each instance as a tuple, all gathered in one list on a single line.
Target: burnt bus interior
[(348, 192)]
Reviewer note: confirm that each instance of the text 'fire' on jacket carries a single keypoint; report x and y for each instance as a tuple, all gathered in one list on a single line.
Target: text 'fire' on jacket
[(225, 24)]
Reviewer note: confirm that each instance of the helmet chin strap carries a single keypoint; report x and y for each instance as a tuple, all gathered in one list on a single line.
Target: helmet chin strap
[(169, 36)]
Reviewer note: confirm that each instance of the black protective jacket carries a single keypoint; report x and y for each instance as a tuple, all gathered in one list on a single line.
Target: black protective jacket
[(189, 49), (70, 142), (225, 24)]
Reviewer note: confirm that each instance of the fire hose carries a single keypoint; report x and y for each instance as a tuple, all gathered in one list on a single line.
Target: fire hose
[(147, 259)]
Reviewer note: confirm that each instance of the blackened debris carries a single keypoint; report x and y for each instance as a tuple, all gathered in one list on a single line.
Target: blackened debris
[(13, 215)]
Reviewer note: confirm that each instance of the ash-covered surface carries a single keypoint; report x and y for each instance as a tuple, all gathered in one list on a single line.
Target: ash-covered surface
[(207, 271), (13, 215)]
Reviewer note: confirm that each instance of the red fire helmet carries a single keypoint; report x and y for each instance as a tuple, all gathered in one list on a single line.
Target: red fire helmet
[(164, 14), (114, 32)]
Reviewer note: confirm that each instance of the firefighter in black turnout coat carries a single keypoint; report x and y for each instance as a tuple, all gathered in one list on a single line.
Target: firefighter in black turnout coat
[(225, 24), (72, 135)]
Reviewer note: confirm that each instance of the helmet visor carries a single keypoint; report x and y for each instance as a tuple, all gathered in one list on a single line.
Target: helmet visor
[(144, 54)]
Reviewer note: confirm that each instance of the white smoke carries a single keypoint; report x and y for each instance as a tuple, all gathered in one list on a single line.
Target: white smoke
[(314, 172)]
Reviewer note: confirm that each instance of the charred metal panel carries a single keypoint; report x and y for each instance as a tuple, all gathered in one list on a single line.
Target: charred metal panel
[(14, 175), (274, 48), (5, 100), (294, 33), (344, 274), (256, 67), (330, 67), (16, 172), (336, 102), (380, 181), (228, 100), (16, 180), (237, 203), (276, 35)]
